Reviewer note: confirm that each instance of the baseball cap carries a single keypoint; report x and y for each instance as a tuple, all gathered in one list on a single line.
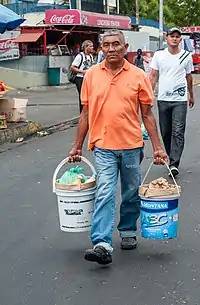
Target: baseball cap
[(173, 30)]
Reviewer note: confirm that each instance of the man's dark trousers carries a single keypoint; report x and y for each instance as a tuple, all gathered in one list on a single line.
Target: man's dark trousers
[(172, 120)]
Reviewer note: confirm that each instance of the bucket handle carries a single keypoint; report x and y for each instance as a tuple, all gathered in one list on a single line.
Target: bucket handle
[(66, 160), (145, 177)]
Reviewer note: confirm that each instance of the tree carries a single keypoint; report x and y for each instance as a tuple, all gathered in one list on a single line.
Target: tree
[(176, 12)]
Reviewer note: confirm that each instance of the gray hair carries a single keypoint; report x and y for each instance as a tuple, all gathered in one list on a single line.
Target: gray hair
[(85, 44), (114, 32)]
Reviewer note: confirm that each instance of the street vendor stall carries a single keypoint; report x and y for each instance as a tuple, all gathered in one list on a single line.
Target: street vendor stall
[(9, 20), (191, 42), (61, 33)]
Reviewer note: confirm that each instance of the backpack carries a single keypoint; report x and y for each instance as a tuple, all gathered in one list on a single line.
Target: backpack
[(71, 74)]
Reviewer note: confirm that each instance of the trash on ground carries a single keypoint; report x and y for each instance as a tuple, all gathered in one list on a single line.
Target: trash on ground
[(159, 187), (42, 133), (19, 140), (3, 122)]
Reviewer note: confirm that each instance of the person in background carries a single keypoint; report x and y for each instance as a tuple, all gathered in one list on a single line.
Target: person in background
[(139, 60), (100, 56), (172, 68), (109, 106), (82, 62), (76, 49)]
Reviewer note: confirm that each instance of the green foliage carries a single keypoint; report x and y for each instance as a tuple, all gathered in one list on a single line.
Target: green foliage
[(176, 12)]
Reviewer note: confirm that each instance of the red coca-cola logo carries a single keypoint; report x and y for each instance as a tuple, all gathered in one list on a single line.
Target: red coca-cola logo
[(7, 44), (66, 19)]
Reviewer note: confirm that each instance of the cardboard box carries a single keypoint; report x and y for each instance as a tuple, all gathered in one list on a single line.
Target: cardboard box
[(14, 109)]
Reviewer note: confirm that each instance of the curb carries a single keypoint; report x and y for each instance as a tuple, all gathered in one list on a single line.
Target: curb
[(14, 132), (49, 88), (25, 130)]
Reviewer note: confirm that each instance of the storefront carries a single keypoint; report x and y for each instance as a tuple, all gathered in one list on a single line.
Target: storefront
[(62, 33), (191, 43)]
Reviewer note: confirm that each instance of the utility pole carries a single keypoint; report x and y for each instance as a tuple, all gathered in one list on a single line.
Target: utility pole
[(106, 7), (78, 5), (137, 14), (160, 24), (117, 6)]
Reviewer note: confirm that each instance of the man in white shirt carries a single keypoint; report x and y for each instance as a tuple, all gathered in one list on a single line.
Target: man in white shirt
[(172, 69), (82, 62)]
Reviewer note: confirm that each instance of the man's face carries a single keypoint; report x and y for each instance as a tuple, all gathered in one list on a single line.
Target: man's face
[(174, 39), (114, 48), (90, 48)]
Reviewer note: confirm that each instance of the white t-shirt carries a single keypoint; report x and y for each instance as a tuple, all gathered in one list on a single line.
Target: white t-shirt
[(172, 83), (87, 62)]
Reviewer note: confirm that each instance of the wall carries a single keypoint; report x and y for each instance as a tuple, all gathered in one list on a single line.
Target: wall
[(137, 40), (154, 44), (38, 64), (23, 79)]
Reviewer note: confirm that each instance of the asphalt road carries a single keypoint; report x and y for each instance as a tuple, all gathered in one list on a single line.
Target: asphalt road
[(42, 265)]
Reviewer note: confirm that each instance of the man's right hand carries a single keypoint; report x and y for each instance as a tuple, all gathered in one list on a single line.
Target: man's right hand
[(75, 155)]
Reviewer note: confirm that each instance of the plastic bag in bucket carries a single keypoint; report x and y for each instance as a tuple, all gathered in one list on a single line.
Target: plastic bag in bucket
[(159, 214), (75, 202)]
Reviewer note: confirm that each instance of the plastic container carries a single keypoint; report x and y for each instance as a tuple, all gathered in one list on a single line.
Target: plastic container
[(75, 203), (54, 76), (159, 215)]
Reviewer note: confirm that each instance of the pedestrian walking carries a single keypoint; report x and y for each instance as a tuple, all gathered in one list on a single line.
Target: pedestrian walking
[(111, 115), (172, 68), (100, 57), (139, 60), (82, 62)]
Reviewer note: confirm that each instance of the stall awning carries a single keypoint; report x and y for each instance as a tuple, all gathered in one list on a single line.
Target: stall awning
[(28, 37)]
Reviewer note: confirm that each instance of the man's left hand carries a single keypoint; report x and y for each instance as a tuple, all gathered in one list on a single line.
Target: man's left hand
[(191, 102), (160, 157)]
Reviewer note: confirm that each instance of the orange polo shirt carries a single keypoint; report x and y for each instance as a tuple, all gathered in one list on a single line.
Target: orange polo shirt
[(113, 105)]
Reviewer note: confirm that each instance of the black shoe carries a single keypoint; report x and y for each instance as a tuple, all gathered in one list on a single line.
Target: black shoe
[(99, 255), (174, 171), (129, 243)]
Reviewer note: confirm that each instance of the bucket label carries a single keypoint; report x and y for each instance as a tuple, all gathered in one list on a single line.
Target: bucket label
[(73, 211), (154, 205), (163, 225)]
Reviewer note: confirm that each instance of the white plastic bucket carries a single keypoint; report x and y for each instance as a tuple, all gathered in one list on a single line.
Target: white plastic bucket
[(75, 207)]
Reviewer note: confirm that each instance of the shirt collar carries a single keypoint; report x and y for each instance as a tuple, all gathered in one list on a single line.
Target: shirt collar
[(125, 66)]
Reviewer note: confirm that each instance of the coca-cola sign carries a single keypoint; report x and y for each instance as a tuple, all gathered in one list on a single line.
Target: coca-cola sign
[(7, 44), (62, 17), (67, 19), (75, 17), (9, 49)]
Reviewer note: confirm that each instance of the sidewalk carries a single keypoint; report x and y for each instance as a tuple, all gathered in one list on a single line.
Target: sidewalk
[(46, 109), (196, 78)]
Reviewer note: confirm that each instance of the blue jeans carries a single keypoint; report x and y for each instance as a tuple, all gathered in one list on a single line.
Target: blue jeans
[(109, 164)]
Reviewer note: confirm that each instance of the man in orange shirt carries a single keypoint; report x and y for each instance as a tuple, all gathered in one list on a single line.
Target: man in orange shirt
[(112, 93)]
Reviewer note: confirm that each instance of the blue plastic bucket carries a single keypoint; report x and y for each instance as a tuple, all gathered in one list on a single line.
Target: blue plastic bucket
[(159, 217)]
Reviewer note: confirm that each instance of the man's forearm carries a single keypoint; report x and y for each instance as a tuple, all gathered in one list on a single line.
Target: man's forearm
[(82, 130), (190, 85), (151, 127), (153, 81)]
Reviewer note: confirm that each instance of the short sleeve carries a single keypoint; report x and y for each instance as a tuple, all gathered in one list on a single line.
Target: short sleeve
[(85, 90), (77, 61), (189, 67), (146, 92), (154, 62)]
